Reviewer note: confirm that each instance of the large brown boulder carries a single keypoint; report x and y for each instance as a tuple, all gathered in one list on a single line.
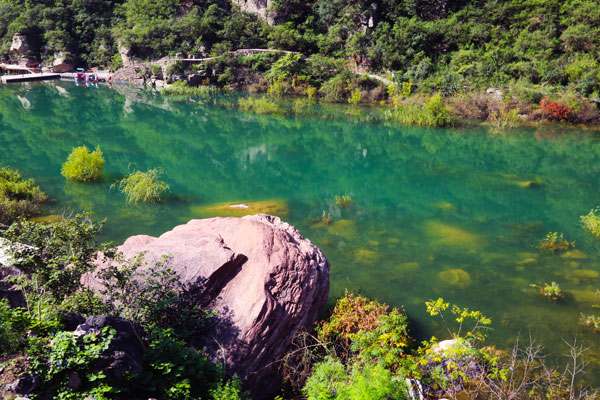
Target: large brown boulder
[(265, 280)]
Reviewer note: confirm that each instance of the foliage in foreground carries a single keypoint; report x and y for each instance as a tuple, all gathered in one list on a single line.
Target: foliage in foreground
[(143, 187), (372, 369), (53, 261), (18, 197), (83, 166)]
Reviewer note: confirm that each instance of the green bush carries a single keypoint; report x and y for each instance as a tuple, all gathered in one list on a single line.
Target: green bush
[(144, 187), (436, 113), (18, 197), (83, 166)]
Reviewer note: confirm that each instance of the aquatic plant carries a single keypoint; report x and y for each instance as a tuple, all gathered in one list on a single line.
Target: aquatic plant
[(554, 242), (344, 200), (549, 291), (260, 105), (18, 197), (83, 166), (592, 321), (591, 222), (145, 187)]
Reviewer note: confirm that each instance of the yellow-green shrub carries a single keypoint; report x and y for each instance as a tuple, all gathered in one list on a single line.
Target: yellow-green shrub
[(145, 187), (83, 166)]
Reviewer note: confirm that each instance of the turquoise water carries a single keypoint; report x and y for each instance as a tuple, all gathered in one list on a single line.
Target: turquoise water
[(436, 212)]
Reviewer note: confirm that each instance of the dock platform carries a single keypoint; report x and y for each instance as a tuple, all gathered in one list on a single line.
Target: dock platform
[(29, 77)]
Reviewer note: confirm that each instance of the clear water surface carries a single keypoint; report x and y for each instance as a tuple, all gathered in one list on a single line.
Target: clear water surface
[(437, 212)]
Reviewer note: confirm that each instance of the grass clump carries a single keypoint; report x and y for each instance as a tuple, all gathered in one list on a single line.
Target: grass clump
[(144, 187), (260, 106), (18, 197), (591, 222), (551, 291), (181, 88), (83, 166), (554, 242), (434, 113)]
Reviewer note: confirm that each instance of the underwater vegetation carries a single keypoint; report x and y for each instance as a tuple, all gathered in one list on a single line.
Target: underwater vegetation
[(554, 242), (344, 200), (591, 222), (551, 291)]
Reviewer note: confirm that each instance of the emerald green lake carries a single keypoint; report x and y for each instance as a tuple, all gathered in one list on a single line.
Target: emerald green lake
[(454, 213)]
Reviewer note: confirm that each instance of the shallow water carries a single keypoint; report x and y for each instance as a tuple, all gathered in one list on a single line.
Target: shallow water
[(437, 212)]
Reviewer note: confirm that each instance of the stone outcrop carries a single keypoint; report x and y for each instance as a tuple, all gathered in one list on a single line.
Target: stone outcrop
[(21, 50), (258, 7), (62, 63), (126, 351), (20, 45), (264, 279)]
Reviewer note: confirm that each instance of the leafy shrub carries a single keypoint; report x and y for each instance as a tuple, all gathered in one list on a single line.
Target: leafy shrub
[(14, 324), (18, 197), (145, 187), (436, 113), (56, 359), (554, 111), (355, 97), (591, 222), (332, 380), (433, 113), (231, 390), (337, 88), (258, 105), (83, 166), (53, 261)]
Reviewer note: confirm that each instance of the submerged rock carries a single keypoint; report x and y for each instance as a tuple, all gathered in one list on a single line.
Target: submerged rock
[(263, 278), (448, 235), (574, 254), (344, 228), (585, 274), (456, 277), (366, 256)]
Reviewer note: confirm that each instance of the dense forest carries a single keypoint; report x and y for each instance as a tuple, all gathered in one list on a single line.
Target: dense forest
[(439, 44)]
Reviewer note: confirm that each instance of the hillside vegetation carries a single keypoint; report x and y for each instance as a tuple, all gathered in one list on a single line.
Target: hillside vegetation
[(440, 44)]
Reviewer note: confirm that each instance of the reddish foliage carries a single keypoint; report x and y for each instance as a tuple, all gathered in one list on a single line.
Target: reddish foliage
[(554, 111)]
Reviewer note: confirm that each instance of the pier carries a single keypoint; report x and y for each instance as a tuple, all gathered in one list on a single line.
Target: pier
[(26, 74)]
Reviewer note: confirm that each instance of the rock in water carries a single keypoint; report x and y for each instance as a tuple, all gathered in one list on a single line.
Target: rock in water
[(265, 280)]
